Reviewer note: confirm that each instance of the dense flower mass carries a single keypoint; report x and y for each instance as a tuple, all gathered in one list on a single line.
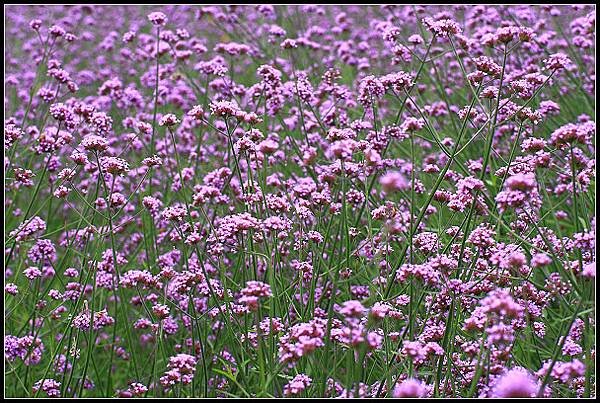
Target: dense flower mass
[(299, 201)]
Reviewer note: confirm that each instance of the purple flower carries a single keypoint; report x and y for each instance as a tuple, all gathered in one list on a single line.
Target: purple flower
[(516, 382), (157, 18), (410, 388)]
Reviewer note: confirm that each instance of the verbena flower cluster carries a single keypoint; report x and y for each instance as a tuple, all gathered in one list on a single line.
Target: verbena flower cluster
[(299, 201)]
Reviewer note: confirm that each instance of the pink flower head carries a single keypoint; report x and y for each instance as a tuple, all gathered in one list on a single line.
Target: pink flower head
[(558, 61), (353, 309), (394, 181), (517, 382), (297, 385), (410, 388), (157, 18)]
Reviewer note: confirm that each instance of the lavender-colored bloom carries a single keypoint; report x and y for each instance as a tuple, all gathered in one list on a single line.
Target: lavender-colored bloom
[(516, 382), (410, 388)]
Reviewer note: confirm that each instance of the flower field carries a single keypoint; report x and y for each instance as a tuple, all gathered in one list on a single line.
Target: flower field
[(275, 201)]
